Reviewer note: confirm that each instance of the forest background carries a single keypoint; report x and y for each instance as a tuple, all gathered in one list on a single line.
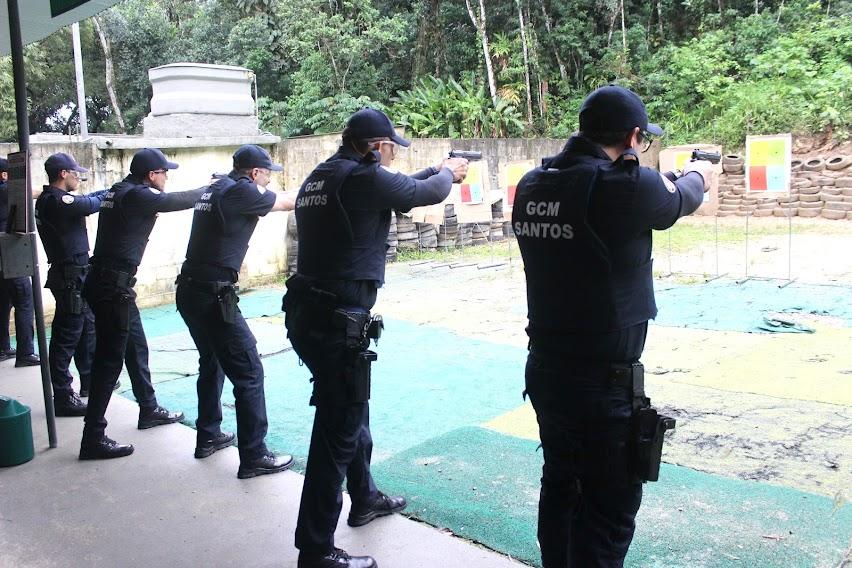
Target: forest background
[(709, 70)]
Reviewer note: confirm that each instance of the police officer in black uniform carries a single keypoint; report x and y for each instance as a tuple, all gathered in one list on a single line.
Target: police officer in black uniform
[(583, 221), (224, 219), (61, 222), (128, 213), (343, 214), (17, 293)]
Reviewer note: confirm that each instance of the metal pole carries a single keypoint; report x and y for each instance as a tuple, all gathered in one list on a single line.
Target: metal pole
[(746, 248), (81, 87), (19, 79), (789, 242), (716, 235), (669, 234)]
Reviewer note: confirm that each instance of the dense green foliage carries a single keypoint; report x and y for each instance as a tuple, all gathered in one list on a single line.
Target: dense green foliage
[(709, 70)]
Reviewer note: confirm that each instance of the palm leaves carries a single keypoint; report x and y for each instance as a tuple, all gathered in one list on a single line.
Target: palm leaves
[(438, 108)]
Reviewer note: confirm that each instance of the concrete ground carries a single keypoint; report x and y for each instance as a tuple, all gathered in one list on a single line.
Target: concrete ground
[(162, 507)]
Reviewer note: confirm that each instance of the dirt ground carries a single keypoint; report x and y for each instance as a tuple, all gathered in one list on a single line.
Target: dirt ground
[(791, 442)]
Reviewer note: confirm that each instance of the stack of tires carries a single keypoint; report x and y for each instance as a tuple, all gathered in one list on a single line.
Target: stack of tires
[(464, 237), (732, 188), (449, 230), (427, 236), (407, 236), (806, 187), (479, 233), (391, 253), (834, 179), (497, 233), (292, 242)]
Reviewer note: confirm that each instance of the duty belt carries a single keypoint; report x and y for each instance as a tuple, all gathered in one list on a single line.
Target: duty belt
[(118, 277)]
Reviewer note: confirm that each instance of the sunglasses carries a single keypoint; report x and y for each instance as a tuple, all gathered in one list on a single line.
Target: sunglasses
[(647, 140)]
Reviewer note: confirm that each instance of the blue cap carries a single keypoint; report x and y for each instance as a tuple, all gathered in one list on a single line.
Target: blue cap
[(615, 109), (149, 160), (61, 161), (4, 165), (372, 123), (250, 156)]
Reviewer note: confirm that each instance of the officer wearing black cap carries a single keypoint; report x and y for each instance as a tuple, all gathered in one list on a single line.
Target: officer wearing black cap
[(128, 213), (583, 221), (224, 219), (17, 293), (61, 221), (343, 215)]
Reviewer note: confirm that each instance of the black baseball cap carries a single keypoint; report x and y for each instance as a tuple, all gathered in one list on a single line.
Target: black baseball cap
[(372, 123), (4, 165), (62, 161), (148, 160), (251, 156), (615, 109)]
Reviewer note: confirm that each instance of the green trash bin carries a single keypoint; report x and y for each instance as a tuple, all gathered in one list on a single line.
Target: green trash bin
[(16, 432)]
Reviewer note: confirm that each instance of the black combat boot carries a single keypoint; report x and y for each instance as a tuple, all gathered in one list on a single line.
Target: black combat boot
[(381, 506), (69, 406), (337, 558), (104, 449), (264, 465), (157, 417), (209, 447)]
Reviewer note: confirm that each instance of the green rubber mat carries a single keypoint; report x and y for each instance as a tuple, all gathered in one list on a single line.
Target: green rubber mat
[(484, 486), (426, 382)]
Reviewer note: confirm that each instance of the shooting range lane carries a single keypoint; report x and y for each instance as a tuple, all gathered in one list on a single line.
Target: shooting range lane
[(452, 433)]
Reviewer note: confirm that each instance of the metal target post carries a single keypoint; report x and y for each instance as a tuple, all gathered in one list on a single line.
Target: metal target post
[(746, 253)]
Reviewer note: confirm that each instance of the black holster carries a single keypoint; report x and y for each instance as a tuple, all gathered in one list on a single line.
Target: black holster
[(228, 300), (647, 428), (66, 283), (357, 327)]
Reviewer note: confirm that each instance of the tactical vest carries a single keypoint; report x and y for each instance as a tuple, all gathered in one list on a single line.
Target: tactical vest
[(211, 241), (323, 224), (575, 282), (65, 238), (122, 237)]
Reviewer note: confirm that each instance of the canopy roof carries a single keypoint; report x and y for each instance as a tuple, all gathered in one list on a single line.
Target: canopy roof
[(40, 18)]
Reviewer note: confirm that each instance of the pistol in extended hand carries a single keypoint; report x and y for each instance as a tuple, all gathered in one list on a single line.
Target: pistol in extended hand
[(469, 156), (712, 157)]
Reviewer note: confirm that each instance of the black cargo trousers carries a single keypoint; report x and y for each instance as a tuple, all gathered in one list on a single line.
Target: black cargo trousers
[(119, 339), (589, 497), (224, 348), (341, 443), (73, 329)]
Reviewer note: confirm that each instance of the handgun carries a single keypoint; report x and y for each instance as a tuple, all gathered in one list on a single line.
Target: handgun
[(469, 156), (712, 157)]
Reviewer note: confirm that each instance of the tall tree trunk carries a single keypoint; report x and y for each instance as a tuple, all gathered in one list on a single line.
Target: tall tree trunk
[(611, 27), (430, 41), (660, 18), (535, 60), (109, 78), (623, 30), (563, 72), (482, 30), (526, 62)]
